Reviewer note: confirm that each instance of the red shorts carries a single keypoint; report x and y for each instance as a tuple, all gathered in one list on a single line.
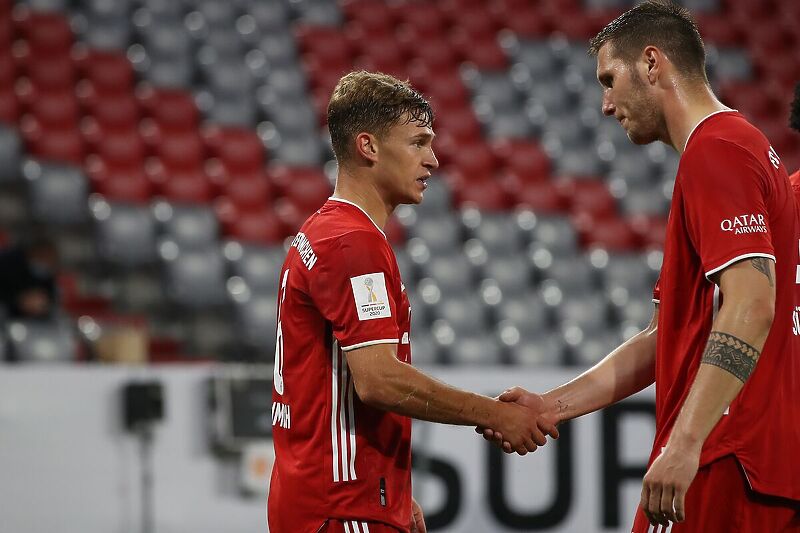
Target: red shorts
[(720, 499), (354, 526)]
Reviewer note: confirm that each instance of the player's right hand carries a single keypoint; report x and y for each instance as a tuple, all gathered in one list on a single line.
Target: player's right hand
[(545, 419)]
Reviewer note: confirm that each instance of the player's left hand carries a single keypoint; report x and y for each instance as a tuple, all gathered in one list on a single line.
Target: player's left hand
[(665, 484), (417, 520)]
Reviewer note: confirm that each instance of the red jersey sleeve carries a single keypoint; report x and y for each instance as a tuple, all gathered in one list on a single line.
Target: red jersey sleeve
[(724, 198), (353, 291)]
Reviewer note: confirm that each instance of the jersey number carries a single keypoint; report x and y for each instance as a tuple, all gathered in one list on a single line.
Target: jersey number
[(277, 373)]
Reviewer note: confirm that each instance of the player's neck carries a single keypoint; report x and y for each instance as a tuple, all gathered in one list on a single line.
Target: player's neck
[(686, 109), (364, 194)]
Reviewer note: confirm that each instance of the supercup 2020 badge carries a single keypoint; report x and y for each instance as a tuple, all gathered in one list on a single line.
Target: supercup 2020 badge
[(371, 298)]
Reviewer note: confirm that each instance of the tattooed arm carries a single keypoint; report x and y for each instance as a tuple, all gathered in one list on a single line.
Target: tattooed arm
[(734, 346)]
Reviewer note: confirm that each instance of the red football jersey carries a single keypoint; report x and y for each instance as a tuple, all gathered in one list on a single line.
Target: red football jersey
[(336, 457), (732, 200)]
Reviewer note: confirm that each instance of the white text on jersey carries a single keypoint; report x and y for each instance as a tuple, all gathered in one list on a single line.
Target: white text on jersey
[(307, 255), (281, 415)]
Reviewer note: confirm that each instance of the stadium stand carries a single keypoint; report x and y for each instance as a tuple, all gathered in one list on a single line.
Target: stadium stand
[(174, 146)]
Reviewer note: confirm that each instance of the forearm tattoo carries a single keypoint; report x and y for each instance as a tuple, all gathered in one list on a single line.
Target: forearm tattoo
[(762, 265), (731, 354)]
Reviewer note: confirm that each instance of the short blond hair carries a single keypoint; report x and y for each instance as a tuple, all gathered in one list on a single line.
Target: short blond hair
[(372, 102)]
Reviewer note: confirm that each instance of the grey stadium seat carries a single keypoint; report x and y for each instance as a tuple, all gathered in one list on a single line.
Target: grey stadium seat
[(556, 233), (474, 350), (595, 347), (189, 226), (497, 232), (10, 154), (125, 234), (545, 349), (34, 341), (424, 350), (269, 16), (513, 274), (452, 273), (573, 275), (299, 150), (58, 193), (589, 312), (258, 266), (525, 311), (196, 278), (464, 313), (256, 320), (441, 232)]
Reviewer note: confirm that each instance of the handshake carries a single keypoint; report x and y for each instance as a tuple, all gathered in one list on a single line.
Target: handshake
[(523, 419)]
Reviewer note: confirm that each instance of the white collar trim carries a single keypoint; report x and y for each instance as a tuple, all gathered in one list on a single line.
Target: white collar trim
[(703, 120), (360, 209)]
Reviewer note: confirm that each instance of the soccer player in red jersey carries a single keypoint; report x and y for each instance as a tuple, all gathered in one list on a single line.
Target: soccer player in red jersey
[(720, 344), (344, 388)]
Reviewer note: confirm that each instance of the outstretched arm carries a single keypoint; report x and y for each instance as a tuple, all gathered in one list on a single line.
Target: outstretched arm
[(385, 383)]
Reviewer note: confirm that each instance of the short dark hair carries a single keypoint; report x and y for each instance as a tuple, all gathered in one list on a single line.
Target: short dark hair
[(372, 102), (794, 116), (660, 23)]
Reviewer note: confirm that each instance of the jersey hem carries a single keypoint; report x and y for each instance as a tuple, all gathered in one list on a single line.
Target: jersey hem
[(728, 263), (369, 343)]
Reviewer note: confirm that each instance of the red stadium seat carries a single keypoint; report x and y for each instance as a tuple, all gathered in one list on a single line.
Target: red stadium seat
[(9, 105), (526, 20), (610, 233), (382, 52), (180, 185), (184, 151), (375, 17), (719, 30), (477, 22), (442, 85), (262, 226), (8, 68), (56, 145), (482, 50), (121, 183), (487, 194), (123, 148), (523, 158), (651, 230), (249, 193), (437, 53), (51, 74), (54, 110), (291, 216), (540, 196), (588, 196), (239, 150), (475, 160), (425, 18), (169, 110), (461, 124), (324, 43), (111, 115), (44, 31), (307, 188), (104, 73)]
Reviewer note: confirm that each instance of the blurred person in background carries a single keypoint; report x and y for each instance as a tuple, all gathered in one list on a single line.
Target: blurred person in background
[(27, 278), (344, 389), (720, 344)]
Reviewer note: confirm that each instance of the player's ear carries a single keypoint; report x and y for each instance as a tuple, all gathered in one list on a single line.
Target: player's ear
[(654, 63), (367, 146)]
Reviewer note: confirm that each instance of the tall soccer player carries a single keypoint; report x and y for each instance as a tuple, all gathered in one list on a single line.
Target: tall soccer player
[(720, 344), (344, 388)]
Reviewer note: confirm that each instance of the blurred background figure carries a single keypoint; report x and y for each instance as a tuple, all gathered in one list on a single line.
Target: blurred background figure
[(27, 284)]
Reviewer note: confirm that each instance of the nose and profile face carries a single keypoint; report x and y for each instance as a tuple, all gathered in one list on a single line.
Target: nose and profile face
[(407, 161), (626, 97)]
